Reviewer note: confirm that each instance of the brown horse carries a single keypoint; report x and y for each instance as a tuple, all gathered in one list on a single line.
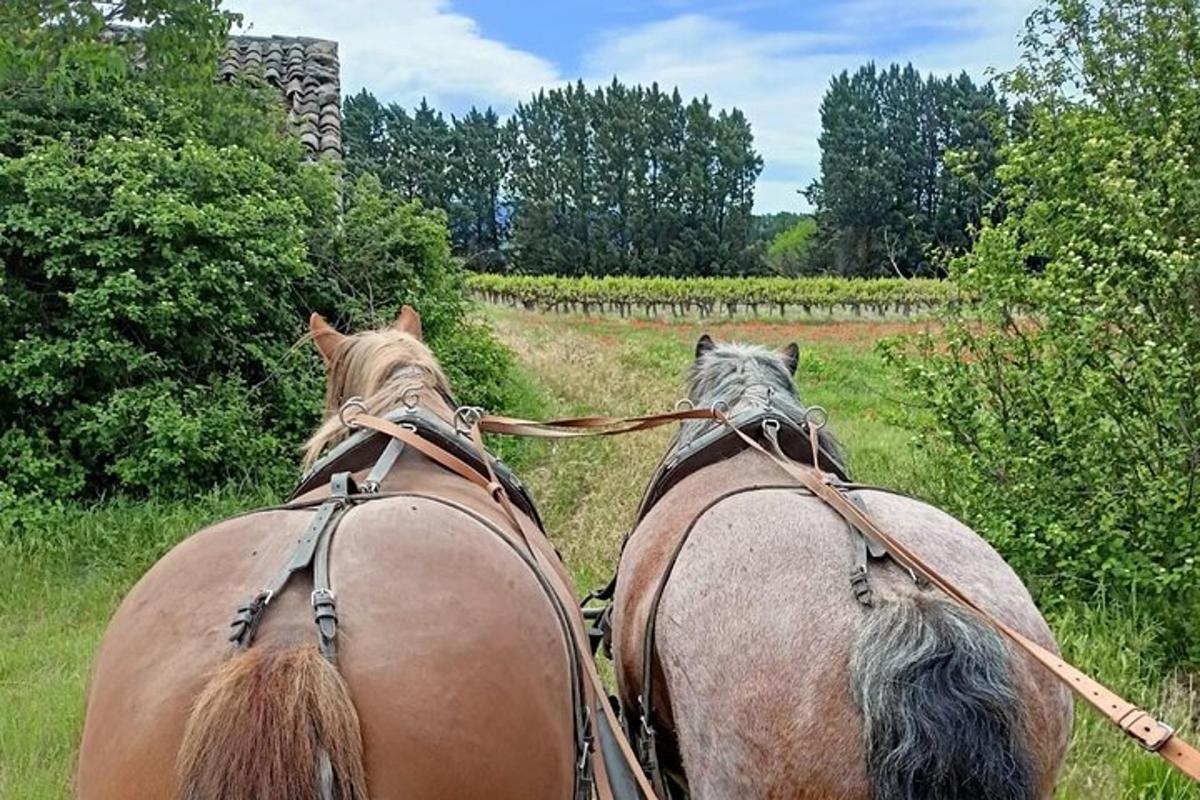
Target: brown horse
[(773, 677), (455, 674)]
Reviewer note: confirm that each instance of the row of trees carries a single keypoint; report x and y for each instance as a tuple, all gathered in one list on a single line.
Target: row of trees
[(908, 170), (616, 180)]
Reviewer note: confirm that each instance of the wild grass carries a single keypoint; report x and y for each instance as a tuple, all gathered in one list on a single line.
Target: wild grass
[(57, 597)]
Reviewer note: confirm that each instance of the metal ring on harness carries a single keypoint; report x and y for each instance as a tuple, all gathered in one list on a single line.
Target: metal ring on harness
[(411, 397), (684, 404), (815, 417), (353, 402), (467, 417)]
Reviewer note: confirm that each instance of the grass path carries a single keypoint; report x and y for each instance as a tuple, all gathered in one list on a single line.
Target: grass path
[(589, 492), (54, 613)]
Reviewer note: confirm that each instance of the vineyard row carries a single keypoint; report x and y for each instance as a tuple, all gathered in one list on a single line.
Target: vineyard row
[(712, 296)]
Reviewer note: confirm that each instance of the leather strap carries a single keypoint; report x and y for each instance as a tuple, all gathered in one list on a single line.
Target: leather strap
[(387, 460), (497, 492), (1150, 733), (312, 550), (575, 427)]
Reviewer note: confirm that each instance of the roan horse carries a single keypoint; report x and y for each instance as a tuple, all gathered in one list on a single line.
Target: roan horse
[(454, 676), (779, 671)]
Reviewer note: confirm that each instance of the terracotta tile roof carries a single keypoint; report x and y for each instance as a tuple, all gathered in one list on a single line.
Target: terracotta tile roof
[(305, 71)]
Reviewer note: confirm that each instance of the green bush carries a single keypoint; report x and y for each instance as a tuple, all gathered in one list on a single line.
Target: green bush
[(788, 253), (163, 243), (1065, 404), (391, 251)]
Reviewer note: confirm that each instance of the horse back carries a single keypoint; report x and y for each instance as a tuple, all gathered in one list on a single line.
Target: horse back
[(758, 618), (450, 644)]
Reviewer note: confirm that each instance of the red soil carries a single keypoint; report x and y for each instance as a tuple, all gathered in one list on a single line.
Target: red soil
[(844, 331)]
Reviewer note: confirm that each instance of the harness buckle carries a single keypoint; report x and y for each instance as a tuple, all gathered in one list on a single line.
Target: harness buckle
[(466, 418), (322, 597), (1142, 726), (815, 417)]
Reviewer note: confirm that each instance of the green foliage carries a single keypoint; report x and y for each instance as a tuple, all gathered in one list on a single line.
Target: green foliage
[(627, 180), (390, 252), (163, 243), (907, 169), (457, 166), (616, 180), (709, 295), (146, 245), (789, 251), (1065, 404), (765, 227)]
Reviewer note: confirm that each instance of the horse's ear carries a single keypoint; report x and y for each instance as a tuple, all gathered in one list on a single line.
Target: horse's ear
[(791, 357), (409, 321), (704, 345), (324, 337)]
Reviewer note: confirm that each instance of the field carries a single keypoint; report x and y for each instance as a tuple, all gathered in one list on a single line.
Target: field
[(55, 607)]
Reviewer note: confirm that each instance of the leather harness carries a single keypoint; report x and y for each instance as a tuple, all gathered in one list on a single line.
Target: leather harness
[(1147, 731), (619, 773), (614, 775)]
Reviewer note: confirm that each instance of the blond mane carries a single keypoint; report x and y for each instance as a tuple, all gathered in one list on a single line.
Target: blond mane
[(381, 367)]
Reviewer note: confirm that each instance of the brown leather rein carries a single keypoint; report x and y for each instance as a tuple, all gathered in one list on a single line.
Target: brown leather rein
[(1150, 733)]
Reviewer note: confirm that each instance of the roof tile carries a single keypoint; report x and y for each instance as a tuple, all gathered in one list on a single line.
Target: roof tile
[(305, 71)]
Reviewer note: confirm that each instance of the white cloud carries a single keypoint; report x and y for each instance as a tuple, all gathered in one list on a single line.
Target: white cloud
[(404, 50)]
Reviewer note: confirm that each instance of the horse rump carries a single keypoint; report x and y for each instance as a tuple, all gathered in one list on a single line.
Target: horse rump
[(941, 715), (273, 722)]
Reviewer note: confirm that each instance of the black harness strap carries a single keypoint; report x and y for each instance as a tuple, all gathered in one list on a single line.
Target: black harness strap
[(383, 466), (312, 550)]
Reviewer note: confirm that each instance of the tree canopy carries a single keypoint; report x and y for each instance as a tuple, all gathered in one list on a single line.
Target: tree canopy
[(163, 243), (618, 179), (1065, 404), (907, 169)]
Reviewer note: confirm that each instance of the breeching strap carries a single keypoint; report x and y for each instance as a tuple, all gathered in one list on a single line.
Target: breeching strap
[(1150, 733)]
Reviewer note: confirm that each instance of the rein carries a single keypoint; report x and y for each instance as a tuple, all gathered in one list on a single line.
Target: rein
[(1150, 733)]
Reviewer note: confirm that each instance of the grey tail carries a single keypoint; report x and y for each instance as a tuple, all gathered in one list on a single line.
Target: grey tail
[(942, 718)]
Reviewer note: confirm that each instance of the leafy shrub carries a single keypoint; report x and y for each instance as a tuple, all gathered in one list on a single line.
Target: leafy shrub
[(391, 251), (163, 244), (1065, 406), (788, 252), (140, 275)]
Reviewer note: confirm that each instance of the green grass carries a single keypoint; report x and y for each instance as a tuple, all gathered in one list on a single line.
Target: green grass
[(58, 591), (58, 594)]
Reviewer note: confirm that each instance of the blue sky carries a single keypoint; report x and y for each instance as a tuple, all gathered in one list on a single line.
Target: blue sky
[(771, 58)]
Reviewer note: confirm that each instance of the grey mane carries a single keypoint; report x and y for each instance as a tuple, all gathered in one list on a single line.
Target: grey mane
[(741, 376)]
